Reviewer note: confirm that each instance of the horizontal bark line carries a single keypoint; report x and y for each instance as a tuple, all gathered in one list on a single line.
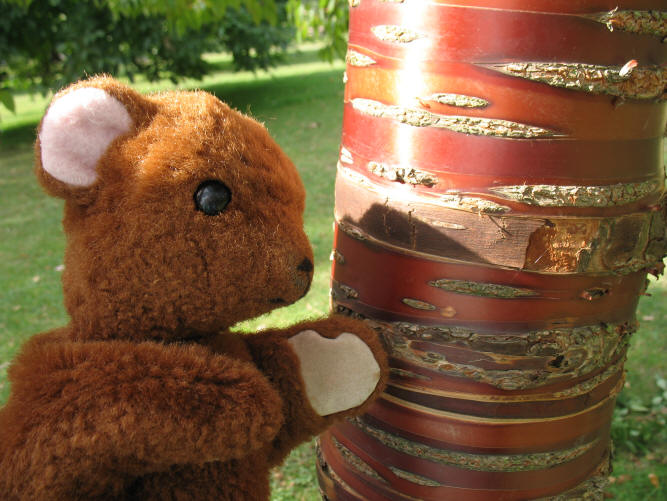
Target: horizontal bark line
[(539, 195), (524, 192), (414, 478), (642, 22), (449, 90), (418, 117), (355, 462), (598, 161), (492, 35), (615, 14), (478, 462), (601, 343)]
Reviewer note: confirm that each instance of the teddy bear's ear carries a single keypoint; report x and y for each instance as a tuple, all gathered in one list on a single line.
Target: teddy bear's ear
[(76, 131)]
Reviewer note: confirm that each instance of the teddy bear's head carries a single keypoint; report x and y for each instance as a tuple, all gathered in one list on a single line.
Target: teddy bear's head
[(182, 216)]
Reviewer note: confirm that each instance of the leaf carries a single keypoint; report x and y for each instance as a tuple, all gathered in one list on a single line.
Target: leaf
[(653, 478), (637, 407), (7, 99)]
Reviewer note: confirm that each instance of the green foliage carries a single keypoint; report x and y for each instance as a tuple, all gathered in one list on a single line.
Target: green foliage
[(45, 44), (639, 425), (268, 41), (296, 479), (322, 20)]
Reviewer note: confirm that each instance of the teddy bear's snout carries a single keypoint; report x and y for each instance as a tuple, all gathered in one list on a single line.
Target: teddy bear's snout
[(305, 265), (304, 278)]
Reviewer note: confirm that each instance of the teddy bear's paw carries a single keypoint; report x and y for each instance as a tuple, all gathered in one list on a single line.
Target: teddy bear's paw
[(339, 373)]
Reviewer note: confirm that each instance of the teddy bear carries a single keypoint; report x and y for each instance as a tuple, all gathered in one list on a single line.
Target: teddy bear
[(182, 218)]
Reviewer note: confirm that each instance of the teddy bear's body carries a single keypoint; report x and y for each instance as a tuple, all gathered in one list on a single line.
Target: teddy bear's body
[(183, 218)]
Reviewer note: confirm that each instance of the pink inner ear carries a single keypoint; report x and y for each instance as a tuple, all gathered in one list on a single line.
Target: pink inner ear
[(76, 131)]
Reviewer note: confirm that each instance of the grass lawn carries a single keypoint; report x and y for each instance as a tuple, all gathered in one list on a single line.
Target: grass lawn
[(301, 104)]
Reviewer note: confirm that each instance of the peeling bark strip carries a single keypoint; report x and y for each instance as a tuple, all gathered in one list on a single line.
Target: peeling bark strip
[(643, 22), (355, 58), (640, 83), (417, 117), (512, 361), (355, 462), (618, 245), (459, 100), (413, 478), (409, 175), (472, 204), (481, 289), (477, 462), (548, 195), (395, 34)]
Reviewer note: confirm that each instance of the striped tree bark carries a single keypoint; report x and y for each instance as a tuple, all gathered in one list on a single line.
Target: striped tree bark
[(499, 203)]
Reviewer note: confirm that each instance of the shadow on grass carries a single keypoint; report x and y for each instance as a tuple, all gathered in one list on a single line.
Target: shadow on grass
[(262, 95), (17, 138), (224, 62)]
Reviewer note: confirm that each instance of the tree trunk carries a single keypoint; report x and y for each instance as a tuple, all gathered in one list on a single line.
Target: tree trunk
[(498, 206)]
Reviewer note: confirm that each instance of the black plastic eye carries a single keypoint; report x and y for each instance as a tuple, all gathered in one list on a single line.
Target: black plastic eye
[(212, 197)]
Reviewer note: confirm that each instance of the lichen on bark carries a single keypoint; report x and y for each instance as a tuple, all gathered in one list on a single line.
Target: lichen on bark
[(354, 58), (395, 34), (639, 83), (642, 22), (459, 100), (403, 174), (476, 126), (481, 289), (547, 195)]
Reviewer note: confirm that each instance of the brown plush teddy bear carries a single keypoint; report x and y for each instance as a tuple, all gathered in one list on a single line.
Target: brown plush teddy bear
[(183, 217)]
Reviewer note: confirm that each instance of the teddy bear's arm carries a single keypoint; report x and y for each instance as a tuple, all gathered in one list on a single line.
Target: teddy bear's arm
[(145, 405), (313, 377)]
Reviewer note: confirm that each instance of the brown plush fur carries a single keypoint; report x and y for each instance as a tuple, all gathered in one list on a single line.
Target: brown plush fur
[(145, 394)]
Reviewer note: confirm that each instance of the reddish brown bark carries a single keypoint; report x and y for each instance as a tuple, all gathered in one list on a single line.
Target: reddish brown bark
[(499, 203)]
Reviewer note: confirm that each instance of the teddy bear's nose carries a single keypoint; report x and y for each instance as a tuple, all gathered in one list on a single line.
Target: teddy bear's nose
[(305, 265)]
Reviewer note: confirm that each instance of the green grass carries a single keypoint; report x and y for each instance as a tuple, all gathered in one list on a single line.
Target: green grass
[(301, 104)]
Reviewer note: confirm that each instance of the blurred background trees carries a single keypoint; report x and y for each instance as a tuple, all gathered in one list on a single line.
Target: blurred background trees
[(45, 44)]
